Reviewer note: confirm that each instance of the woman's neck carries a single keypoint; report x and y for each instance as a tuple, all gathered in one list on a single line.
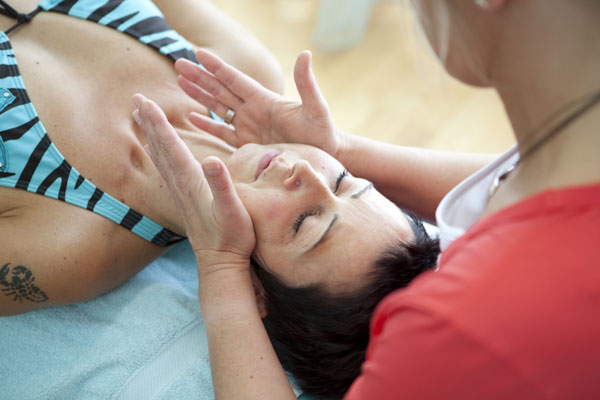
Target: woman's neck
[(203, 145), (540, 67)]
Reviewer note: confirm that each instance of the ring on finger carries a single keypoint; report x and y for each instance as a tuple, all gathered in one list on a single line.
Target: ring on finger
[(229, 116)]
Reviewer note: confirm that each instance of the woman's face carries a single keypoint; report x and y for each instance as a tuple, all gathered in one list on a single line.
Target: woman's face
[(314, 222)]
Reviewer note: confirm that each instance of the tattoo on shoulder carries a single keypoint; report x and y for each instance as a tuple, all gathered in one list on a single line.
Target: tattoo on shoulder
[(18, 282)]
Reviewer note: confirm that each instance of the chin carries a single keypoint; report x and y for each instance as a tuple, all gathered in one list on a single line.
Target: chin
[(468, 75)]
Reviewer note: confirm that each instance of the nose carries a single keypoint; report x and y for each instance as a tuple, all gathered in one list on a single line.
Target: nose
[(306, 179)]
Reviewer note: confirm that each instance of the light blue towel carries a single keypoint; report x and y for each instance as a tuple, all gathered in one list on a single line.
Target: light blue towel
[(144, 339)]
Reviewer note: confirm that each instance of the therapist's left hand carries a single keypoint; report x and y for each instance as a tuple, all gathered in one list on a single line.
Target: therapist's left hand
[(217, 224)]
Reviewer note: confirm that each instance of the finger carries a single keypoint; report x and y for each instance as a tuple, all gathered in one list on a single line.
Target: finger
[(307, 85), (205, 80), (149, 152), (171, 156), (226, 202), (239, 83), (219, 129), (202, 96)]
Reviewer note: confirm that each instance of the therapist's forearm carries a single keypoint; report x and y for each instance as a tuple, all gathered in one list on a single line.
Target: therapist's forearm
[(243, 362), (413, 178)]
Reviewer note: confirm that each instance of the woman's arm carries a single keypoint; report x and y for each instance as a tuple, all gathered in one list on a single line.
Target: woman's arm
[(63, 262), (243, 362), (415, 179), (206, 26)]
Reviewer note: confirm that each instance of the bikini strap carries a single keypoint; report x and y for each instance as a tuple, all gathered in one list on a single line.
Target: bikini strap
[(21, 18)]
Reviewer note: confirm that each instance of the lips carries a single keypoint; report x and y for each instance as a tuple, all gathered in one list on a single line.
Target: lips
[(265, 161)]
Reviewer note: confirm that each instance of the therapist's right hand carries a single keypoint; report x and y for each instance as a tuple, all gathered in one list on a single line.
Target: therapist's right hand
[(217, 224), (261, 116)]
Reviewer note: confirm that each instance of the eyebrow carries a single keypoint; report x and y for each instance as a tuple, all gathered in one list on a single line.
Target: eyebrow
[(322, 238), (361, 191), (336, 216)]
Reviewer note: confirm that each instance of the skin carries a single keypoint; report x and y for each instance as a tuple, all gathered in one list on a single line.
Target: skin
[(275, 203)]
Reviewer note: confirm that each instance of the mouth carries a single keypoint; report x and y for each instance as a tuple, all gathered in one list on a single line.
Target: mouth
[(265, 161)]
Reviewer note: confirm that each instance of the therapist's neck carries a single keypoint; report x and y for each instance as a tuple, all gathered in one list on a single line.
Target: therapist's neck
[(547, 58)]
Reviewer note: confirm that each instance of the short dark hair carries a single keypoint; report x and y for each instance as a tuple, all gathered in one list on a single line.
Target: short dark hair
[(321, 338)]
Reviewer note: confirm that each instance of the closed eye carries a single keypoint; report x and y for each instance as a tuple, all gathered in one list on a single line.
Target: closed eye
[(309, 213), (302, 217), (339, 180)]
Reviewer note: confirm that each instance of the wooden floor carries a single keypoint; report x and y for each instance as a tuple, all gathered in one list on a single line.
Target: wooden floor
[(389, 86)]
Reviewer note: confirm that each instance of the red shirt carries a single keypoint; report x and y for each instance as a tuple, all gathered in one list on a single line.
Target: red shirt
[(512, 313)]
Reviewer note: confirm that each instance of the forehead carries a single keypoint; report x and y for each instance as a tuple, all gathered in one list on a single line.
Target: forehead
[(362, 234), (309, 153)]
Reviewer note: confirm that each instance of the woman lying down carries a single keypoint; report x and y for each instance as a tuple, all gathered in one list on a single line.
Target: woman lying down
[(317, 292), (329, 247), (324, 256)]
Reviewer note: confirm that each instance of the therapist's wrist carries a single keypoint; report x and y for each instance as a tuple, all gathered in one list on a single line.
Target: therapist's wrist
[(225, 292), (348, 145), (214, 266), (345, 142)]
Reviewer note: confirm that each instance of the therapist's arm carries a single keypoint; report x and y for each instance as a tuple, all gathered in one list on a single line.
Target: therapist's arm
[(416, 179), (204, 25), (413, 178), (243, 362)]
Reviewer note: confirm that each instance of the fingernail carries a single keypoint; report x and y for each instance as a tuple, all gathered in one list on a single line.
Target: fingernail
[(211, 168), (136, 116), (136, 100), (140, 103), (143, 108)]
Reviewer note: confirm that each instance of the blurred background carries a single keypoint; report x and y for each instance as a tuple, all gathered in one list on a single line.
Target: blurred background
[(377, 73)]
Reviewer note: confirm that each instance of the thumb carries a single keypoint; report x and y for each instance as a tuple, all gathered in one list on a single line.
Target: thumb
[(225, 199), (307, 86)]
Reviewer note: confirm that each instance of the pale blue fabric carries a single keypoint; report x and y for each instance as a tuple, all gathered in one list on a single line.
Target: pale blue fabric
[(144, 339)]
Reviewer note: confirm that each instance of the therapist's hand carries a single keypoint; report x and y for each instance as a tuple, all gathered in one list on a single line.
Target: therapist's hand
[(261, 116), (217, 224)]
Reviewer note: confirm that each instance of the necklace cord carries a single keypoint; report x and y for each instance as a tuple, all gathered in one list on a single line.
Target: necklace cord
[(581, 105)]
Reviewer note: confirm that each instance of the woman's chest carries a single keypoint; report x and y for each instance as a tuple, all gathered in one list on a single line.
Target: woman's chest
[(80, 77)]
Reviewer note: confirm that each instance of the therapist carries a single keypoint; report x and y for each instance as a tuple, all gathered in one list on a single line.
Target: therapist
[(512, 312)]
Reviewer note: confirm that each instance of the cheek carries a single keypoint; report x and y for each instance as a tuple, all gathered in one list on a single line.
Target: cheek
[(274, 209), (271, 225), (241, 164), (271, 217)]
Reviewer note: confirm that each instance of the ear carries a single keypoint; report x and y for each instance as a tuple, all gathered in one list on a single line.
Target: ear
[(491, 5), (259, 293)]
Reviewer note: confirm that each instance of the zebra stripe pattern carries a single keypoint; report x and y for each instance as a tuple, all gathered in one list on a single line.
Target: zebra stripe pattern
[(28, 158), (138, 18)]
